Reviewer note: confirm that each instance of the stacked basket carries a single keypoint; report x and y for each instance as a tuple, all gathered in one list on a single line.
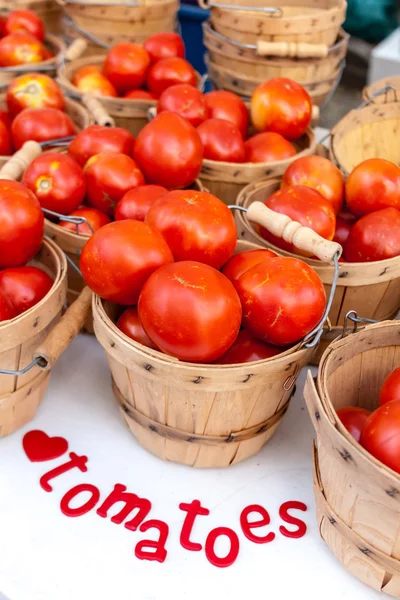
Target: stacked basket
[(302, 40)]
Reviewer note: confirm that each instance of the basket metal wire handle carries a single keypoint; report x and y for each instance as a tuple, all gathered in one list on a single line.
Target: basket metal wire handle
[(267, 10), (356, 320)]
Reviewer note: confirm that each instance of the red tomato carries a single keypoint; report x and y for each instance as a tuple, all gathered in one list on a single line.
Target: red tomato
[(222, 141), (57, 181), (97, 84), (129, 323), (268, 147), (21, 49), (41, 125), (353, 419), (83, 71), (109, 176), (196, 225), (140, 95), (320, 174), (94, 217), (119, 257), (169, 151), (126, 66), (381, 435), (34, 90), (247, 348), (306, 206), (164, 45), (2, 26), (375, 237), (96, 139), (185, 100), (390, 389), (229, 107), (5, 141), (283, 106), (344, 223), (190, 311), (283, 299), (5, 119), (24, 286), (243, 261), (170, 71), (7, 311), (21, 224), (25, 21), (373, 185), (135, 204)]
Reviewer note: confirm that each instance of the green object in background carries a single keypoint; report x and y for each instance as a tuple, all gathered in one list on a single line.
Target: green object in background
[(371, 20)]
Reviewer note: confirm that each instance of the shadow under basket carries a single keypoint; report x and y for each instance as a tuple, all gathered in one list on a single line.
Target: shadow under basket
[(357, 497), (371, 289), (195, 414), (21, 395)]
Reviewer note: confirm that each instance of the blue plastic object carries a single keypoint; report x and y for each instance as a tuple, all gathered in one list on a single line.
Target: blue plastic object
[(190, 19)]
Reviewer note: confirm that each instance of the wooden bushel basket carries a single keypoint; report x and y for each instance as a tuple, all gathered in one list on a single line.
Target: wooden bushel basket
[(47, 10), (369, 132), (255, 62), (36, 333), (357, 496), (196, 414), (309, 21), (371, 289), (374, 93)]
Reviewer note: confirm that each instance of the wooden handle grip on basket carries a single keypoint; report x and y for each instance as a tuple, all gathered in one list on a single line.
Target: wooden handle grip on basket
[(315, 113), (303, 238), (76, 49), (64, 332), (15, 167), (97, 110), (292, 49)]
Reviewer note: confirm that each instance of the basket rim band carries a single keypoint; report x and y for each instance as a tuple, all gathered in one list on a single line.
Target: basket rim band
[(11, 399), (175, 434)]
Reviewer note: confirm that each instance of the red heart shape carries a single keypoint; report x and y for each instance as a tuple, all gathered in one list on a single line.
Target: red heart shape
[(39, 446)]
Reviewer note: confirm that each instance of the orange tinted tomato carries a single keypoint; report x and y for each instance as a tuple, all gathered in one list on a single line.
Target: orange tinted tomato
[(96, 83), (7, 311), (247, 348), (57, 181), (164, 45), (390, 389), (185, 100), (243, 261), (20, 49), (126, 66), (117, 260), (109, 176), (282, 106), (94, 217), (353, 419), (170, 71), (222, 141), (140, 95), (196, 225), (24, 286), (306, 206), (268, 147), (96, 139), (136, 203), (229, 107), (129, 323), (34, 90), (381, 435), (374, 184), (83, 71), (41, 125), (5, 141), (283, 300), (375, 236), (190, 311), (169, 151), (25, 21), (320, 174)]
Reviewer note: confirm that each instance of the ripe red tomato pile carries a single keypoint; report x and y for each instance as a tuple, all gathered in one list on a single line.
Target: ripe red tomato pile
[(21, 233), (21, 43), (378, 431), (361, 214), (36, 111)]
